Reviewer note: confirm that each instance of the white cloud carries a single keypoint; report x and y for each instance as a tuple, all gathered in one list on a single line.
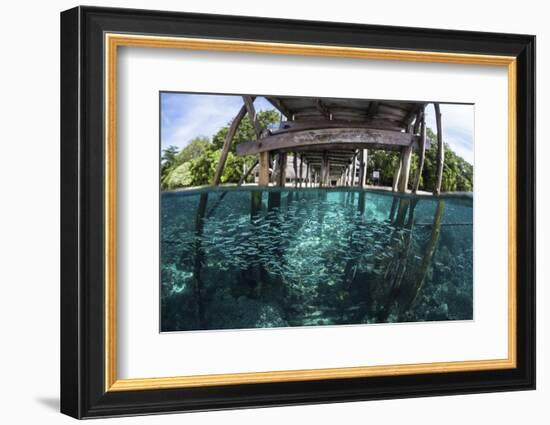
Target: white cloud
[(458, 128), (185, 116)]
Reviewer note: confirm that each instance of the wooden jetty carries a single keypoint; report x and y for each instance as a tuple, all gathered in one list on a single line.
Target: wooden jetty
[(328, 140)]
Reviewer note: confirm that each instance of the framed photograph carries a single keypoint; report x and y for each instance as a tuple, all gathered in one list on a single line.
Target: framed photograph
[(261, 212)]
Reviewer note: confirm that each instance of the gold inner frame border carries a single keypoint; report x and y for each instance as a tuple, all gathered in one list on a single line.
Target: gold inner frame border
[(112, 41)]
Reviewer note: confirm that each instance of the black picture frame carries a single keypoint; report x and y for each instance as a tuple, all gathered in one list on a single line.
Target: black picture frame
[(83, 392)]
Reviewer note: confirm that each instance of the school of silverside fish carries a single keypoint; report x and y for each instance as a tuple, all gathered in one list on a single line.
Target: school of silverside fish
[(244, 258)]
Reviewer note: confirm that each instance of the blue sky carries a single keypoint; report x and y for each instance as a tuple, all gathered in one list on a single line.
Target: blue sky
[(186, 116), (458, 128)]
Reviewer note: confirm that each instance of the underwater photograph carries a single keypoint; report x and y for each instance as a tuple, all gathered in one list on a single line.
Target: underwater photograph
[(280, 211)]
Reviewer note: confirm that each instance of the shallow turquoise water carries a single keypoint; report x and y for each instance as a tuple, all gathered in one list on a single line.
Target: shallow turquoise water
[(244, 258)]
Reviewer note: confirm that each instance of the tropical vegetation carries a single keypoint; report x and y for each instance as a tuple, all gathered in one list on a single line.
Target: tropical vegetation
[(458, 174), (195, 164)]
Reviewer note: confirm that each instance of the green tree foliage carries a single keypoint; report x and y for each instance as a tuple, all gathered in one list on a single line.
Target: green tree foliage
[(202, 169), (245, 131), (457, 173), (168, 159), (178, 177), (193, 150), (195, 164), (385, 162), (172, 170)]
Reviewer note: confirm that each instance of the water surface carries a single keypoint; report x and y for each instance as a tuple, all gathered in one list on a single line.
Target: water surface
[(245, 258)]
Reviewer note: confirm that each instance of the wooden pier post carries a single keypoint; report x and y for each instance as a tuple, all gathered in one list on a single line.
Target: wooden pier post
[(402, 212), (405, 168), (361, 169), (275, 167), (281, 167), (227, 145), (396, 176), (346, 175), (393, 208), (249, 103), (440, 150), (428, 254), (366, 159), (361, 202), (422, 151), (295, 166), (301, 169), (199, 260), (363, 156), (255, 203), (352, 180), (325, 170), (263, 177)]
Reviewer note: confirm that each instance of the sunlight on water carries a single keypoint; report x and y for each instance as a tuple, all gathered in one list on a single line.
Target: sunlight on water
[(245, 258)]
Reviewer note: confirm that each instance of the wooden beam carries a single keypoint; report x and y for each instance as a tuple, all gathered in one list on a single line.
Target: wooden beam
[(440, 150), (312, 155), (323, 109), (418, 121), (390, 113), (280, 106), (411, 115), (407, 121), (314, 124), (315, 156), (373, 108), (227, 145), (248, 172), (342, 162), (348, 138)]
